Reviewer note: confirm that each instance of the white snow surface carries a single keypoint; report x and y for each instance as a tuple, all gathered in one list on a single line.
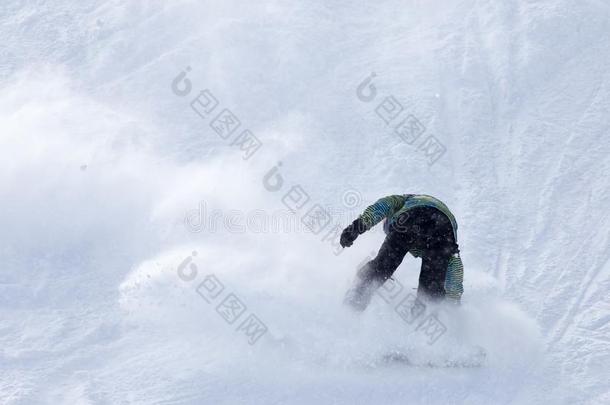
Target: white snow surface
[(102, 166)]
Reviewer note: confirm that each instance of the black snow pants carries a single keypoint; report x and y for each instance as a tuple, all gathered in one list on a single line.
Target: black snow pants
[(424, 231)]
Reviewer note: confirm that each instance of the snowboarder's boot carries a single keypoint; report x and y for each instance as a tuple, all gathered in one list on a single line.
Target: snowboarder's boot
[(367, 282)]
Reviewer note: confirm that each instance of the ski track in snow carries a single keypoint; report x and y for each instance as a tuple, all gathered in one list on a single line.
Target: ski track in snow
[(100, 163)]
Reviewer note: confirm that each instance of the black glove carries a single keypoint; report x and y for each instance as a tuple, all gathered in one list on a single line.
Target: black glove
[(349, 234)]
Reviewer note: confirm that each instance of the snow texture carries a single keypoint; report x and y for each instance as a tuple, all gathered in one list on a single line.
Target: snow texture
[(130, 218)]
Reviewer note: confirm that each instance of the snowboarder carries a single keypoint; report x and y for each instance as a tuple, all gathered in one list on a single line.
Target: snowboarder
[(421, 225)]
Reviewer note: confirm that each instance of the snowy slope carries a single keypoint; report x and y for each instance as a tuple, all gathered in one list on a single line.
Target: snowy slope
[(109, 181)]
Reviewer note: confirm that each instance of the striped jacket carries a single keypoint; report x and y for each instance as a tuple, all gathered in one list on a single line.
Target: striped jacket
[(390, 207)]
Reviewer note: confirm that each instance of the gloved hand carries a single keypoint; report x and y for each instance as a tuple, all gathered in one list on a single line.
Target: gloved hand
[(349, 234)]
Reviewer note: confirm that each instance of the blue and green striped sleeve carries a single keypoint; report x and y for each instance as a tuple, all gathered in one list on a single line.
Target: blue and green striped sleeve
[(454, 278), (383, 208)]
